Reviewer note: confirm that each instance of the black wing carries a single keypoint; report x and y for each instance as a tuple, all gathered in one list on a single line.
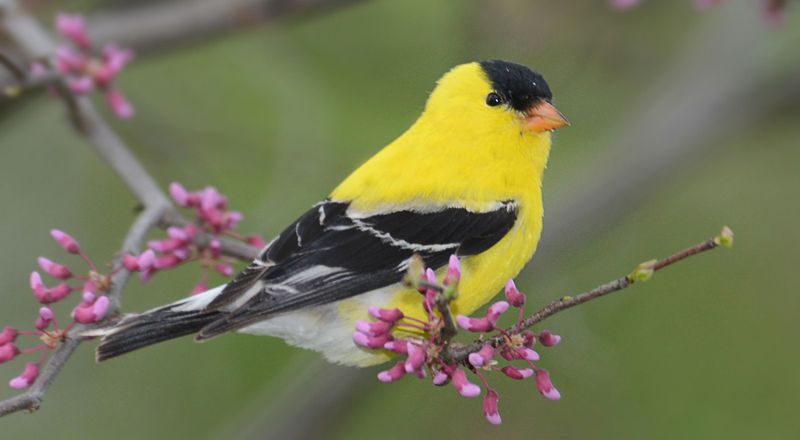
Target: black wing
[(328, 255)]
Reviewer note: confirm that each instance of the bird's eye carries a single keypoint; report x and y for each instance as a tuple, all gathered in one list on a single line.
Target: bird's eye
[(493, 99)]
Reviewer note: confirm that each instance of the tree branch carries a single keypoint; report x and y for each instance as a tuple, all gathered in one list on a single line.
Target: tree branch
[(460, 352), (33, 396), (158, 211)]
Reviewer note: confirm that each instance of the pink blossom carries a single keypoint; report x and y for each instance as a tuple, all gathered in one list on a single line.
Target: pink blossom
[(67, 60), (513, 295), (373, 328), (474, 324), (255, 241), (482, 357), (225, 270), (179, 194), (397, 346), (66, 241), (372, 342), (462, 385), (517, 373), (55, 270), (73, 27), (386, 315), (86, 313), (490, 407), (9, 334), (26, 379), (440, 378), (416, 357), (453, 271), (80, 85), (549, 339), (119, 105), (395, 373), (44, 319), (528, 338), (47, 295), (8, 351), (495, 310), (199, 288), (545, 386)]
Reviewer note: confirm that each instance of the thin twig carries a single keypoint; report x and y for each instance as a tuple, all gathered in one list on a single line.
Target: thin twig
[(158, 211), (33, 396), (460, 352)]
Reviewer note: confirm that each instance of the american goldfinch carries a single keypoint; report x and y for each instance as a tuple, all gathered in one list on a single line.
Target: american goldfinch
[(465, 179)]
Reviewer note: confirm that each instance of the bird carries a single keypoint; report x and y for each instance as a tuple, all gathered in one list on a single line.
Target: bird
[(465, 179)]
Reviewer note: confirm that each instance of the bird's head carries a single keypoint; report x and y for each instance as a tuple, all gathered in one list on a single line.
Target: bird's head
[(496, 98)]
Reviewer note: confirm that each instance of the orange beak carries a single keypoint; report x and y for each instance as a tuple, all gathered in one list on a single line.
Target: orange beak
[(544, 116)]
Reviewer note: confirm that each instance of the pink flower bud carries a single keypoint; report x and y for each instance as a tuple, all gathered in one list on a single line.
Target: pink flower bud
[(372, 342), (549, 339), (453, 271), (45, 318), (462, 385), (490, 407), (55, 270), (179, 194), (545, 386), (495, 311), (395, 373), (397, 346), (373, 328), (91, 313), (199, 288), (67, 60), (119, 105), (225, 270), (167, 261), (520, 353), (26, 379), (146, 260), (130, 262), (9, 334), (215, 246), (8, 351), (528, 338), (64, 240), (80, 85), (482, 357), (474, 324), (36, 281), (440, 378), (416, 357), (386, 315), (255, 241), (88, 297), (165, 246), (513, 295), (517, 373), (73, 27), (232, 219)]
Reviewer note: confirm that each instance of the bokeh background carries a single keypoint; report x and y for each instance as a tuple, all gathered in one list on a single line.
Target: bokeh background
[(682, 121)]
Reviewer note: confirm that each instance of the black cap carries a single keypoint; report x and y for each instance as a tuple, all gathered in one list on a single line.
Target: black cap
[(518, 85)]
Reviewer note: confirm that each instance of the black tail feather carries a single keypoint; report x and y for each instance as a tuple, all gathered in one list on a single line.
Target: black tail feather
[(143, 330)]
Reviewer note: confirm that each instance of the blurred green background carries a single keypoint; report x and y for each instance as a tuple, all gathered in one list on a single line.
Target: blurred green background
[(275, 115)]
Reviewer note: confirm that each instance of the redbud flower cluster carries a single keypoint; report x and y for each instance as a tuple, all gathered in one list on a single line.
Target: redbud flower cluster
[(91, 308), (773, 10), (423, 344), (212, 217), (84, 70)]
